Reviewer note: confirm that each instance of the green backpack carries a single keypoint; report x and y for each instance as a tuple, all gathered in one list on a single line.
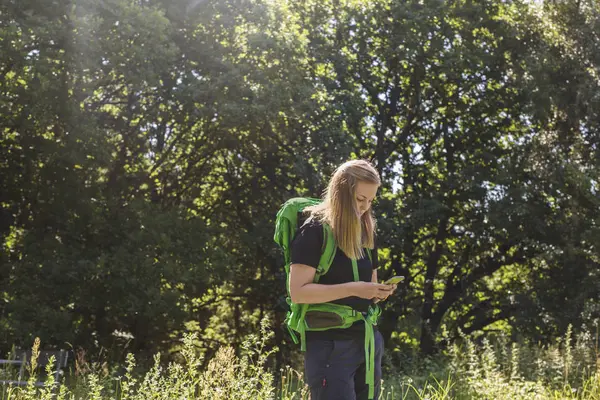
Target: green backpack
[(323, 316)]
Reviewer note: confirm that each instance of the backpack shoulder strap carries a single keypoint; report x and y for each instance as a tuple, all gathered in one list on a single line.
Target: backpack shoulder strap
[(328, 250)]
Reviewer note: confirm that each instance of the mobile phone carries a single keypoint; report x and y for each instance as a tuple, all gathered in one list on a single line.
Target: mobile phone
[(394, 280)]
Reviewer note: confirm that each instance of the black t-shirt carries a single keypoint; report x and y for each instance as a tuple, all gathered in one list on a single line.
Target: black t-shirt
[(306, 249)]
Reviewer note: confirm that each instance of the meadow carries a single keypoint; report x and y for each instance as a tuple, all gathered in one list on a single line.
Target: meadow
[(567, 369)]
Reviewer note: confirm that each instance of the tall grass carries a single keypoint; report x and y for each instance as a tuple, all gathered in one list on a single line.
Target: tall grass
[(500, 370)]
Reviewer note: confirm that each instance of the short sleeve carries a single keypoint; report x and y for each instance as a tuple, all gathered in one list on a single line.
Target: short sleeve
[(306, 246)]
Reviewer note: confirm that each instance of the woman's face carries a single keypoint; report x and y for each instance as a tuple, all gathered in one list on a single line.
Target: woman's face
[(365, 193)]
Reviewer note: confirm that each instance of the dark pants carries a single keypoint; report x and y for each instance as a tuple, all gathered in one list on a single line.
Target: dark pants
[(335, 369)]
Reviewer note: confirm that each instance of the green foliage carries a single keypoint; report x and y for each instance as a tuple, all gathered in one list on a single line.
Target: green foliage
[(146, 147), (495, 369)]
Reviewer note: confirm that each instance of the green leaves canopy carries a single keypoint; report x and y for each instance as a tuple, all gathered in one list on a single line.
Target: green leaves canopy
[(146, 147)]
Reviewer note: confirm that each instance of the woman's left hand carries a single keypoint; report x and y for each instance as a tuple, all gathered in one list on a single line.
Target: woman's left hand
[(378, 299)]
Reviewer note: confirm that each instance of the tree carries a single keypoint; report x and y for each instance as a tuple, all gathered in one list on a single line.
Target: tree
[(447, 99)]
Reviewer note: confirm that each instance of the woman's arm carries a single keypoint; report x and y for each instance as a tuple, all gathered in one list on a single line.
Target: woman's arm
[(304, 291)]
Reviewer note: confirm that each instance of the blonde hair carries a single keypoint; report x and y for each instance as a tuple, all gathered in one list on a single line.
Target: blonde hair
[(338, 209)]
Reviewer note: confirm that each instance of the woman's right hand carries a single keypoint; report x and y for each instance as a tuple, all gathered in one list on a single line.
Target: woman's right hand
[(371, 290)]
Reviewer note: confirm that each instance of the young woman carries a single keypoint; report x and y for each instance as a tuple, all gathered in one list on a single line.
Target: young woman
[(335, 358)]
